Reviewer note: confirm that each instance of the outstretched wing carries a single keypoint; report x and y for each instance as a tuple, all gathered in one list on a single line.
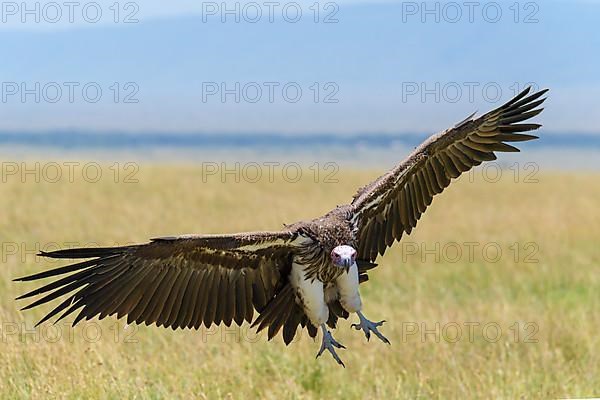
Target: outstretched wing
[(174, 282), (392, 204)]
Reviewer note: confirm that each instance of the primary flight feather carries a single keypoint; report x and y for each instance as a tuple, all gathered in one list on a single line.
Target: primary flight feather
[(307, 275)]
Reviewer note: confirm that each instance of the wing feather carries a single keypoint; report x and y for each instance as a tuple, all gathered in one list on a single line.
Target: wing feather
[(392, 204), (194, 296), (171, 281)]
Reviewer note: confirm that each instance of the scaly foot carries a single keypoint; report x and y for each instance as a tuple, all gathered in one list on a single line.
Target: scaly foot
[(368, 327), (329, 343)]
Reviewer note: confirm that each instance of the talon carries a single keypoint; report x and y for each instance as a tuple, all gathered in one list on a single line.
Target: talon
[(328, 344), (367, 327)]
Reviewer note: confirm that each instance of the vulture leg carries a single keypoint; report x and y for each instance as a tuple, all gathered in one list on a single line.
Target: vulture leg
[(368, 327), (330, 343), (347, 285)]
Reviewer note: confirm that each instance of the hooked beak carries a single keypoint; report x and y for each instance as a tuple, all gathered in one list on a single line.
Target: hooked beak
[(346, 263)]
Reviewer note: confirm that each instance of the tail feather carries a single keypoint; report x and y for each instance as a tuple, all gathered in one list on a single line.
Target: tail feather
[(283, 311)]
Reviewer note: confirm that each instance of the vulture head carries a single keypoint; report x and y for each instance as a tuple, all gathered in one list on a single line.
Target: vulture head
[(343, 256)]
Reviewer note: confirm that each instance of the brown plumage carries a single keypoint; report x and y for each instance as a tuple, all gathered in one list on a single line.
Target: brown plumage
[(194, 280)]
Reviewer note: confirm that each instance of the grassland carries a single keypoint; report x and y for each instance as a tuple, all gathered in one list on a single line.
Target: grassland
[(543, 296)]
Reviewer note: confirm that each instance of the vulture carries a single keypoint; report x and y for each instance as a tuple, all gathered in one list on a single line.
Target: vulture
[(306, 275)]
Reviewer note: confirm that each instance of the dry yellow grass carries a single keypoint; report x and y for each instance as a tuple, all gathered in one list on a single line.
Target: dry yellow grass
[(548, 291)]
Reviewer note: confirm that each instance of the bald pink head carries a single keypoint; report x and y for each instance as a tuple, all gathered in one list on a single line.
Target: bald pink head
[(343, 256)]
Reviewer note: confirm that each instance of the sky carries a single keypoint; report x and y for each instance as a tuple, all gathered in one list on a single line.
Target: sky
[(292, 67)]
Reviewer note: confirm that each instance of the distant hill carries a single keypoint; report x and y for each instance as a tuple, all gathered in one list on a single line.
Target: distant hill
[(131, 141)]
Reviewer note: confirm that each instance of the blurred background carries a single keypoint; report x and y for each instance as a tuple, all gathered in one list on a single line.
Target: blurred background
[(346, 78), (126, 120)]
